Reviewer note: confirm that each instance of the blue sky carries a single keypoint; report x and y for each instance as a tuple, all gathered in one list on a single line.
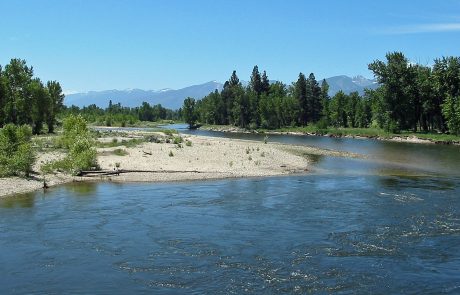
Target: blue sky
[(154, 44)]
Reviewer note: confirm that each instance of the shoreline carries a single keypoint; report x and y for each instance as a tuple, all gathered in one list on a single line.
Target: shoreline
[(206, 158), (393, 138)]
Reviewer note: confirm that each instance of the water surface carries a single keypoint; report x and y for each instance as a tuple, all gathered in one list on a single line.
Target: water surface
[(351, 226)]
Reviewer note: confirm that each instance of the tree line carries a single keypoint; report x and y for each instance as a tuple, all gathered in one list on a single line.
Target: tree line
[(410, 97), (26, 100), (116, 114)]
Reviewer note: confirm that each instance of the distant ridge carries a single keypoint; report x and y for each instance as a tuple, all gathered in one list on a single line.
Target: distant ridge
[(173, 99), (168, 98), (348, 84)]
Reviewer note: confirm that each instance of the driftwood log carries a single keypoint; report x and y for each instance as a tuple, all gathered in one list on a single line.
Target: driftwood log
[(94, 173)]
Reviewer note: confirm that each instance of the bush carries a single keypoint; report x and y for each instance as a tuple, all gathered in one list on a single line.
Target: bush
[(76, 138), (178, 140), (73, 127), (16, 154), (120, 152)]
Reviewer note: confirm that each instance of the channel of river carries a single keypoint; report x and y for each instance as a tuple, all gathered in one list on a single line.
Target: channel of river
[(389, 223)]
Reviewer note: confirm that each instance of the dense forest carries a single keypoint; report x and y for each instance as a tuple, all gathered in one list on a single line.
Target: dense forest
[(26, 100), (410, 97)]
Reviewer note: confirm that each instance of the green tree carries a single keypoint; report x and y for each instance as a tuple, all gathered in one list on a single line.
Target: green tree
[(16, 154), (188, 111), (446, 74), (338, 111), (352, 105), (55, 105), (300, 93), (451, 110), (39, 99), (18, 105), (3, 96), (314, 106), (255, 83), (325, 101), (265, 84), (398, 78)]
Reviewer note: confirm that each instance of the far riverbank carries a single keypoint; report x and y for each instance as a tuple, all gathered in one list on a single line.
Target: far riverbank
[(358, 133)]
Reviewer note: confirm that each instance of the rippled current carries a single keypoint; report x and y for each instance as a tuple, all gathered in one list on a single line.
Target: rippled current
[(325, 232)]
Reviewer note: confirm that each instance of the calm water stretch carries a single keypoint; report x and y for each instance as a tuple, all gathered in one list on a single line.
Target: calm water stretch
[(387, 224)]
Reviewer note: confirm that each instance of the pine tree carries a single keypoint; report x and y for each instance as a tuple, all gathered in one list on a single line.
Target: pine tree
[(255, 83), (265, 84), (300, 93), (314, 105), (3, 85), (325, 100)]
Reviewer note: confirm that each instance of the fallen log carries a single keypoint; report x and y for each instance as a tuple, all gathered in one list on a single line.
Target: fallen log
[(94, 173)]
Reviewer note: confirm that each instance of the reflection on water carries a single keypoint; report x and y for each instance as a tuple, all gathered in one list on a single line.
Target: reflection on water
[(314, 233), (83, 189), (22, 201), (416, 182)]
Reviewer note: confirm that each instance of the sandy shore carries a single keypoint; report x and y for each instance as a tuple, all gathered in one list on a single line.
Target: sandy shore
[(204, 158), (15, 185)]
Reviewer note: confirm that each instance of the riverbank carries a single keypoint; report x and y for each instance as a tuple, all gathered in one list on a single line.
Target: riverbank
[(174, 158), (16, 185), (358, 133)]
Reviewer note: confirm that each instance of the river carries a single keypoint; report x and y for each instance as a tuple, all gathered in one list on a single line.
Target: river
[(386, 224)]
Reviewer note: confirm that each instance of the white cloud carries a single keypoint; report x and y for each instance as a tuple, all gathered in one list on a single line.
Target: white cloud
[(423, 28)]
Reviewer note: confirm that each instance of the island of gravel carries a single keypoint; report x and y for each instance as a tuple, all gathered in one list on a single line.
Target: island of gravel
[(164, 158)]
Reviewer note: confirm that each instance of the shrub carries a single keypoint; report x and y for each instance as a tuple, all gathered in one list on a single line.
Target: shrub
[(120, 152), (73, 126), (76, 138), (16, 154), (188, 143), (178, 140), (82, 155)]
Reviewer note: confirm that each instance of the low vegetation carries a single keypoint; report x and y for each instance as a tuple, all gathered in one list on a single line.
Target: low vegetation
[(16, 153), (80, 146)]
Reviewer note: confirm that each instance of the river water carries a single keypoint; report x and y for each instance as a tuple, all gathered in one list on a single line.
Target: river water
[(386, 224)]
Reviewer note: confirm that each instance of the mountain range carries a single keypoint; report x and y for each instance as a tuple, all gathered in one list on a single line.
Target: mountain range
[(173, 99)]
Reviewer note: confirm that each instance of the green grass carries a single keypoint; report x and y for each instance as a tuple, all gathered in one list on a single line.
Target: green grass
[(434, 136), (127, 143), (120, 152)]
